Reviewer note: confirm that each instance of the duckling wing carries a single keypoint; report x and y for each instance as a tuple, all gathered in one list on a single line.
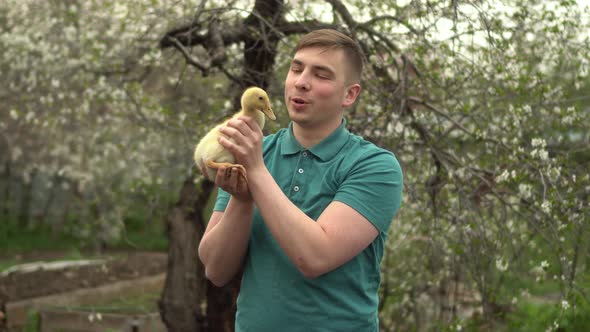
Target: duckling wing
[(210, 149)]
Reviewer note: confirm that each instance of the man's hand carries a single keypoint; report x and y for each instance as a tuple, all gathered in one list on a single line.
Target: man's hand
[(230, 180), (247, 145)]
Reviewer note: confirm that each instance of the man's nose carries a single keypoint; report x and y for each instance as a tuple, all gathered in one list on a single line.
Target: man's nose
[(302, 82)]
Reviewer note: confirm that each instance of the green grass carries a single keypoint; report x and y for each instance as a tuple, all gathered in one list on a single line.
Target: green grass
[(15, 239), (137, 236), (137, 304), (32, 323), (6, 263), (149, 240), (531, 317)]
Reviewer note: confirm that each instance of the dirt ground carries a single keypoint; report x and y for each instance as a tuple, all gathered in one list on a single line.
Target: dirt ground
[(117, 267)]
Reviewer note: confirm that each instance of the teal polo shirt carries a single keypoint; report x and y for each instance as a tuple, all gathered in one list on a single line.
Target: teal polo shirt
[(274, 295)]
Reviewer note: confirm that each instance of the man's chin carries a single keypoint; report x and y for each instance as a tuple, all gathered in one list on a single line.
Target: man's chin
[(297, 116)]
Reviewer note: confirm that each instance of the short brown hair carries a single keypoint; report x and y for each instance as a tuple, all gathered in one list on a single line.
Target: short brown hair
[(333, 39)]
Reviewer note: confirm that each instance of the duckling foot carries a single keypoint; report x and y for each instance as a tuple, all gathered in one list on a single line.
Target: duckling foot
[(240, 168)]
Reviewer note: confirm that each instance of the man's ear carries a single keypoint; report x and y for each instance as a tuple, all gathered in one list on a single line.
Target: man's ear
[(352, 92)]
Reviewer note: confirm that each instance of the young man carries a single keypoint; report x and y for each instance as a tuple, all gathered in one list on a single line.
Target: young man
[(310, 227)]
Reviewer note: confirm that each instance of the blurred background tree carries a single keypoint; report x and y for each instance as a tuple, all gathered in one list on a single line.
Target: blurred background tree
[(485, 104)]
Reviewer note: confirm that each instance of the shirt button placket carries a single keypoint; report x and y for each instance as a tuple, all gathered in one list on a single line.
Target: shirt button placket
[(296, 188)]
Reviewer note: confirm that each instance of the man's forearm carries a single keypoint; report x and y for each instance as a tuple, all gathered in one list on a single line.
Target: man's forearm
[(303, 240), (223, 248)]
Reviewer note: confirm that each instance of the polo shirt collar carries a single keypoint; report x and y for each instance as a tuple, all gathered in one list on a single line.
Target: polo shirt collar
[(324, 150)]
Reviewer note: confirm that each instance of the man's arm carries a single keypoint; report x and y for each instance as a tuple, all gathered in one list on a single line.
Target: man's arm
[(315, 248), (225, 241)]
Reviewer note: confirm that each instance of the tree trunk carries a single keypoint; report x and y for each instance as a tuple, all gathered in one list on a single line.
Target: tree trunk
[(50, 198), (7, 199), (221, 305), (24, 214), (185, 286), (71, 198)]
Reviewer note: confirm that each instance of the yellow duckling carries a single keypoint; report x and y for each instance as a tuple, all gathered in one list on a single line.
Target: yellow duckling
[(211, 155)]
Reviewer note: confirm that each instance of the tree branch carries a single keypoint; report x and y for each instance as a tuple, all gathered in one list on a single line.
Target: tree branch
[(341, 9), (188, 57), (391, 18), (187, 35)]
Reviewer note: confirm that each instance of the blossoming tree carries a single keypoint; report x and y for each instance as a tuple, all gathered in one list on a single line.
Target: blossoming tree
[(484, 103)]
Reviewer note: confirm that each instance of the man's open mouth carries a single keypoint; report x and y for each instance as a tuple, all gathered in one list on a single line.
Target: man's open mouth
[(299, 101)]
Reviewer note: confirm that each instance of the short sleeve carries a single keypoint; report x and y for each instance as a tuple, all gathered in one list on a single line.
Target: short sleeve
[(373, 187), (222, 200)]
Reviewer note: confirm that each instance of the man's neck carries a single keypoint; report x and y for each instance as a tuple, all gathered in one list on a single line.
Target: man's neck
[(310, 136)]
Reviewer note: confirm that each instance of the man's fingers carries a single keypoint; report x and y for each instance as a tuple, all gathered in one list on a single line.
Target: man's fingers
[(234, 180), (231, 131), (253, 125), (219, 177), (226, 143), (228, 180), (244, 125)]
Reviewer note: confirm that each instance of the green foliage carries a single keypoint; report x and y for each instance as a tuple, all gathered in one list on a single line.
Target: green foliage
[(530, 317), (33, 321)]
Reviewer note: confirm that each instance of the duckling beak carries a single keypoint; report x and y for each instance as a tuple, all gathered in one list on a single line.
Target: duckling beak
[(269, 113)]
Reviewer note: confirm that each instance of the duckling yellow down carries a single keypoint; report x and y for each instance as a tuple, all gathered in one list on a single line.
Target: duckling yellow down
[(210, 155)]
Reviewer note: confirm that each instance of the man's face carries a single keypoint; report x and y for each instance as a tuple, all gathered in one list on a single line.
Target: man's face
[(316, 88)]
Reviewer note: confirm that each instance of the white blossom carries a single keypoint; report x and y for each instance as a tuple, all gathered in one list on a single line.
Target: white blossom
[(540, 154), (565, 305), (503, 177), (525, 190), (29, 116), (501, 264), (543, 155), (16, 153), (538, 142), (567, 120), (527, 109), (546, 207), (554, 173)]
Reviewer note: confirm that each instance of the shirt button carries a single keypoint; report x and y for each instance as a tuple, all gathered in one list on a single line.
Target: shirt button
[(305, 153), (300, 170), (296, 188)]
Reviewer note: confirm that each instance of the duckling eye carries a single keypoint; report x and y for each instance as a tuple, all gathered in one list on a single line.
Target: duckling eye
[(259, 98)]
